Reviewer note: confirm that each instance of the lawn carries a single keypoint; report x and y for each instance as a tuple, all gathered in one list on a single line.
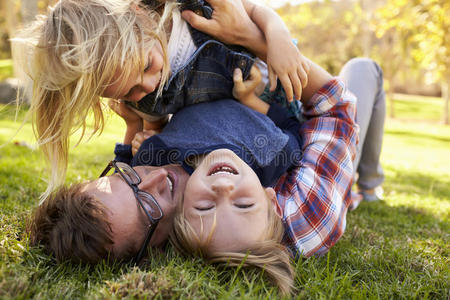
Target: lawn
[(396, 248)]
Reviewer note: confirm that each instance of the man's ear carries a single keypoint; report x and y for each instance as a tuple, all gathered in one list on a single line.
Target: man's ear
[(270, 192)]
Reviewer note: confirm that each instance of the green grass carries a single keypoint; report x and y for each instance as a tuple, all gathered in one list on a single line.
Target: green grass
[(397, 248), (6, 68)]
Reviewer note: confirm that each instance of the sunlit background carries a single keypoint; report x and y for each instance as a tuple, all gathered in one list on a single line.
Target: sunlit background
[(409, 39), (397, 248)]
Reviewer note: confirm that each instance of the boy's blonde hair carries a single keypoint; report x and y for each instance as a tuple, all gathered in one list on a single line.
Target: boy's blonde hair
[(72, 54), (269, 254)]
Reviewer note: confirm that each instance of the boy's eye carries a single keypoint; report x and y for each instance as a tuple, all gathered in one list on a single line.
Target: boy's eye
[(204, 208), (244, 205)]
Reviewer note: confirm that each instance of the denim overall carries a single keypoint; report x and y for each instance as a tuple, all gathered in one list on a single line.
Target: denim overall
[(208, 74)]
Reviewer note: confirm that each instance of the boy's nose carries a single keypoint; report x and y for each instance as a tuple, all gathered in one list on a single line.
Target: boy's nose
[(222, 185)]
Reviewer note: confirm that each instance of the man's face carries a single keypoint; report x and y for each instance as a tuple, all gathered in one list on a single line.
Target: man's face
[(129, 223)]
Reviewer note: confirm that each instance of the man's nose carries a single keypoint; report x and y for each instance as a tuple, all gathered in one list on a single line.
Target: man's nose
[(155, 181), (222, 186)]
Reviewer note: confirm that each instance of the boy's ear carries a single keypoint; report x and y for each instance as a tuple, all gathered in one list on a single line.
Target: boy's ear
[(270, 192)]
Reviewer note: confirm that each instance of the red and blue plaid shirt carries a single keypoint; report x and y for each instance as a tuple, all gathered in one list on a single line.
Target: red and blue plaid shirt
[(314, 196)]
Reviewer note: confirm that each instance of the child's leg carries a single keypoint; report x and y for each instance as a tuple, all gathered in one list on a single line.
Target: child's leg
[(364, 79)]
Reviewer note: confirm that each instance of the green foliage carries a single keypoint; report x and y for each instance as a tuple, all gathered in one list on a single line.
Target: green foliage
[(397, 248), (328, 32), (424, 27)]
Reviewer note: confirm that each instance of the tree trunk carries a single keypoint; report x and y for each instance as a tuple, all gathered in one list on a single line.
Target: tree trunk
[(28, 10), (445, 86), (12, 23)]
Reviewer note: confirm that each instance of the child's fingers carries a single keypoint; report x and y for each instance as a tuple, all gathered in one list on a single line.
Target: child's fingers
[(239, 86), (286, 82), (237, 77), (306, 66), (149, 133), (303, 77), (136, 142), (139, 138), (296, 84), (272, 79), (254, 79)]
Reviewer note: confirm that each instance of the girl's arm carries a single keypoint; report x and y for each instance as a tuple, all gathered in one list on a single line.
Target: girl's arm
[(132, 120), (291, 68)]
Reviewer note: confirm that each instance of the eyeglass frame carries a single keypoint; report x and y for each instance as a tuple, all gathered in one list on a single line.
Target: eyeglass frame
[(134, 186)]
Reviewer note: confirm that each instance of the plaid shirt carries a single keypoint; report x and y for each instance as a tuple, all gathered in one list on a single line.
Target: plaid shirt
[(314, 197)]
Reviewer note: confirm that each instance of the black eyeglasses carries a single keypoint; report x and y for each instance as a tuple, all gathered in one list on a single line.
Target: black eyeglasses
[(147, 202)]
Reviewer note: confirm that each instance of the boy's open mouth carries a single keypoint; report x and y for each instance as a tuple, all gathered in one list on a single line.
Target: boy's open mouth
[(222, 168)]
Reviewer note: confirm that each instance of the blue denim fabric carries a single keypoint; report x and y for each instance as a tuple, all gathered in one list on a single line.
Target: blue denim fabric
[(207, 76)]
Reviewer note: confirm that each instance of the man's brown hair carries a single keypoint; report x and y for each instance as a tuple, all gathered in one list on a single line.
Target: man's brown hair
[(72, 225)]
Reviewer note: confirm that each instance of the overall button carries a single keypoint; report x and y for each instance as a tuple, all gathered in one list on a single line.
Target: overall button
[(242, 63)]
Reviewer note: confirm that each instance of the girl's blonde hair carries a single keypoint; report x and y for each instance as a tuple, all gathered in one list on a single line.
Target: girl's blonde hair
[(72, 54), (269, 255)]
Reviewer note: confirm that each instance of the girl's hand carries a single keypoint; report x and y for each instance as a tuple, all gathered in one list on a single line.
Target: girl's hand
[(290, 67), (139, 138), (120, 108)]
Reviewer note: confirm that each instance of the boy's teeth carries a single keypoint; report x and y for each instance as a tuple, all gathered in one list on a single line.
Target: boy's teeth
[(169, 181), (224, 170)]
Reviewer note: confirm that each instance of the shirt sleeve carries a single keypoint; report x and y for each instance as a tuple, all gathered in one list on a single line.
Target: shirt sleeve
[(123, 153), (314, 196)]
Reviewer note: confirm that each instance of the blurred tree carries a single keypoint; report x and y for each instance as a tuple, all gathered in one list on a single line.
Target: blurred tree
[(5, 51), (328, 32), (29, 10), (423, 30), (14, 14)]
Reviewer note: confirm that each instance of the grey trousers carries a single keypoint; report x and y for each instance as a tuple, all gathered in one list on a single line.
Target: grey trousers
[(364, 79)]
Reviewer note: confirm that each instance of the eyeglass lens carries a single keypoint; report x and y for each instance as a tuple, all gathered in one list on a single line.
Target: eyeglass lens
[(150, 205), (129, 173)]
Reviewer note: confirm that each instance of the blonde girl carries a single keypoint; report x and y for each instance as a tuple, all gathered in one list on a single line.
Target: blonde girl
[(72, 55), (84, 49)]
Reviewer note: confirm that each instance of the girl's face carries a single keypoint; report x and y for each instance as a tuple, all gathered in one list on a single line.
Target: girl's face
[(135, 88), (225, 195)]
